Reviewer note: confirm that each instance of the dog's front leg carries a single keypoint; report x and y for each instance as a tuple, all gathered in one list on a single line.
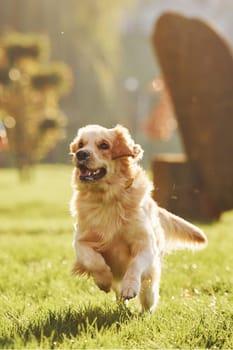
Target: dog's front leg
[(93, 264), (140, 263)]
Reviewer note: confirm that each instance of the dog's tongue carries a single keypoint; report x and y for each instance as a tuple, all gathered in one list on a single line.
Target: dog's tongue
[(91, 175), (85, 172)]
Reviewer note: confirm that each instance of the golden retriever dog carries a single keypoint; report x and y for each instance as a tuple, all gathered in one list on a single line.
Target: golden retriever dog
[(120, 232)]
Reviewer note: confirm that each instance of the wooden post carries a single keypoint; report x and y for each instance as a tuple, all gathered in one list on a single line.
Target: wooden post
[(179, 188)]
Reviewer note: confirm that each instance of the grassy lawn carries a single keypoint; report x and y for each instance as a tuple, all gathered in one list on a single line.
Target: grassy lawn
[(43, 306)]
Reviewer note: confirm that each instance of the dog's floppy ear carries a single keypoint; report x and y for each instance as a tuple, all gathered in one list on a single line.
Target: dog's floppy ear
[(73, 146), (123, 145)]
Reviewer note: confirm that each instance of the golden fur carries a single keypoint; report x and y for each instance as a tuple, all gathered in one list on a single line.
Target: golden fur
[(120, 232)]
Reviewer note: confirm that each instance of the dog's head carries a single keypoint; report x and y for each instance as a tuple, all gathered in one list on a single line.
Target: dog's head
[(97, 151)]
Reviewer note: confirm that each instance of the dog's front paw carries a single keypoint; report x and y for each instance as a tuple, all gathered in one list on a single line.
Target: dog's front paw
[(103, 280), (129, 289)]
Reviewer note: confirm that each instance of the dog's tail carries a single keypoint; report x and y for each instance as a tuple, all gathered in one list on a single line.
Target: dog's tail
[(179, 233)]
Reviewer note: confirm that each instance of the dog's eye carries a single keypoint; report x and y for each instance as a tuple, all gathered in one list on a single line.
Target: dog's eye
[(80, 144), (103, 145)]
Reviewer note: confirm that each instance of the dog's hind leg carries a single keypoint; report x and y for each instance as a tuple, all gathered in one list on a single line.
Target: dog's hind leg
[(149, 292)]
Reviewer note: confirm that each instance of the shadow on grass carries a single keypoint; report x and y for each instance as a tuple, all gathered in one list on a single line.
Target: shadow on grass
[(68, 322)]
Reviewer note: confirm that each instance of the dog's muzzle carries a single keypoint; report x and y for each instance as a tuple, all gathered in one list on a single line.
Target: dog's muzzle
[(86, 173)]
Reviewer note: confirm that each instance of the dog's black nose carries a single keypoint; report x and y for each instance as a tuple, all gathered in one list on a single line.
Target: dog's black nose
[(83, 155)]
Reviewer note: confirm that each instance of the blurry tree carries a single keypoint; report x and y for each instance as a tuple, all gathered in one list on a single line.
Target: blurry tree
[(87, 35), (30, 89), (98, 48)]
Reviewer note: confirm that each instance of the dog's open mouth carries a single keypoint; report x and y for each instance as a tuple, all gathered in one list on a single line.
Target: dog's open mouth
[(87, 174)]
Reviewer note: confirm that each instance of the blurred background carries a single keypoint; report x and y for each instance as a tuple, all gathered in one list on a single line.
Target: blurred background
[(107, 47)]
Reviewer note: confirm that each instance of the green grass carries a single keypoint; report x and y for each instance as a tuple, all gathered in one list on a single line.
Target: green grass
[(43, 306)]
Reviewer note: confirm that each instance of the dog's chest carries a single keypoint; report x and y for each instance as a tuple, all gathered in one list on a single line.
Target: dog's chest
[(105, 229), (118, 256), (106, 219)]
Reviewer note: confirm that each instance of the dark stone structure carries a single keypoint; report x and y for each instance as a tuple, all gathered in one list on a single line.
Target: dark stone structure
[(197, 65)]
